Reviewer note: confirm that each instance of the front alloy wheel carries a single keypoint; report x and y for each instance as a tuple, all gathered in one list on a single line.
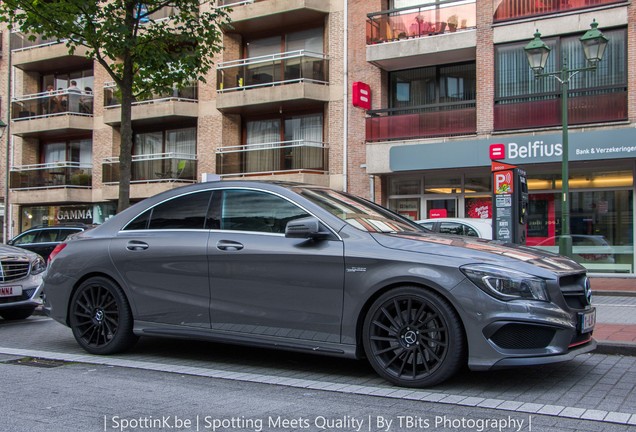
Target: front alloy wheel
[(100, 317), (413, 337)]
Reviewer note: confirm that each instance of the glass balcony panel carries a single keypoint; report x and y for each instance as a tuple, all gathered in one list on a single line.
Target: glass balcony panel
[(277, 157), (283, 68), (425, 20), (48, 104), (158, 167), (52, 175), (582, 109), (188, 93), (514, 9), (435, 121)]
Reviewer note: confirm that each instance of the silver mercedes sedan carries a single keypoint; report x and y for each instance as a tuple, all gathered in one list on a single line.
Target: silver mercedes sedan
[(311, 269)]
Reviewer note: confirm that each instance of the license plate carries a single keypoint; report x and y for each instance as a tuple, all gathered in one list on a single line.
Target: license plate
[(10, 291), (588, 320)]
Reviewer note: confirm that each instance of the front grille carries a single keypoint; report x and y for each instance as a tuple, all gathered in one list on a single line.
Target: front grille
[(13, 270), (522, 336), (573, 290)]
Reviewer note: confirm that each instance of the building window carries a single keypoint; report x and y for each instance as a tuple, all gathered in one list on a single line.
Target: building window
[(165, 154), (433, 85), (285, 144), (522, 101), (80, 151)]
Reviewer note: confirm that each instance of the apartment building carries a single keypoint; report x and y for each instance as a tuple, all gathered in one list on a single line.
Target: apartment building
[(394, 100), (453, 78)]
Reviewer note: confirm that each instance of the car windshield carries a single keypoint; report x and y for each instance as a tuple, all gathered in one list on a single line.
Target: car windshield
[(358, 212)]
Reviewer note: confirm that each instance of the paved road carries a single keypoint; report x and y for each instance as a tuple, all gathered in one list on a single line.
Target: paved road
[(254, 383)]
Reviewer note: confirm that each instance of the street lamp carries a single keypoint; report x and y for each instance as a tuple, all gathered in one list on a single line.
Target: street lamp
[(594, 44)]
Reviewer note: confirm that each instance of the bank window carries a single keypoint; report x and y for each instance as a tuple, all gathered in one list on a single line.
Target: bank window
[(409, 186)]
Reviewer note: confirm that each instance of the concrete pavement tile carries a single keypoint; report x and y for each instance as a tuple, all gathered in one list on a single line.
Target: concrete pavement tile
[(491, 403), (632, 420), (401, 394), (510, 405), (452, 399), (617, 417), (472, 401), (592, 414), (530, 408), (418, 395), (572, 412), (551, 410)]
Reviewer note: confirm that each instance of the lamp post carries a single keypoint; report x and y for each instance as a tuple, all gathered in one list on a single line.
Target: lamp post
[(594, 44)]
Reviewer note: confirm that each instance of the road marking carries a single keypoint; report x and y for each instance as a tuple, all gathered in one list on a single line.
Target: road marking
[(386, 392)]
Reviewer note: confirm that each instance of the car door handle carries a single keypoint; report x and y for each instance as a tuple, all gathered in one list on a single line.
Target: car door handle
[(135, 245), (227, 245)]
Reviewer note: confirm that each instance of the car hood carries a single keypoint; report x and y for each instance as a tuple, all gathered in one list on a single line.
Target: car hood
[(475, 250), (12, 252)]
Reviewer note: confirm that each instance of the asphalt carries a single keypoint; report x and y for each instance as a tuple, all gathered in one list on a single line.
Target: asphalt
[(615, 302)]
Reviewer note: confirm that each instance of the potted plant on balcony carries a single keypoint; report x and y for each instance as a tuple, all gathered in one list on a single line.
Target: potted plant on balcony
[(81, 178), (452, 23)]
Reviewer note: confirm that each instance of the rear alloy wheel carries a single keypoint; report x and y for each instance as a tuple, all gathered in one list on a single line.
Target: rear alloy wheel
[(413, 337), (100, 317)]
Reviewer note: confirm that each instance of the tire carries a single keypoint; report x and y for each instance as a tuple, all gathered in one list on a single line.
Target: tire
[(101, 318), (413, 338), (16, 314)]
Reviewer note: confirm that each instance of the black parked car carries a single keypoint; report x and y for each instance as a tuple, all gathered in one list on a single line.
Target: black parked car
[(312, 269), (43, 239)]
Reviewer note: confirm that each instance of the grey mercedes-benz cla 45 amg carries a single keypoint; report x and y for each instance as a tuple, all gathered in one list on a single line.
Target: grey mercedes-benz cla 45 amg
[(312, 269)]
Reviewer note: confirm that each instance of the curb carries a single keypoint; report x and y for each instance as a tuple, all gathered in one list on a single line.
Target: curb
[(615, 348), (611, 293)]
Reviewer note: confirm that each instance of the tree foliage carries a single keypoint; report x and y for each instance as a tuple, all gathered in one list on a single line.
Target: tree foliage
[(140, 53)]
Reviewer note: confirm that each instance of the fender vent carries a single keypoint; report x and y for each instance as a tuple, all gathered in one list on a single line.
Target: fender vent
[(521, 336)]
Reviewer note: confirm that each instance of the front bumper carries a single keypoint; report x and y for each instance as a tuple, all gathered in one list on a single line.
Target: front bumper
[(31, 295), (518, 333)]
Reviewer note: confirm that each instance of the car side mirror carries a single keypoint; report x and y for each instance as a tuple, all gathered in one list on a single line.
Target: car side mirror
[(307, 228), (10, 242)]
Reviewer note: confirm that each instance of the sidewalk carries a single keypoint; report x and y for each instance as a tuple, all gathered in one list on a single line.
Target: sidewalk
[(615, 300)]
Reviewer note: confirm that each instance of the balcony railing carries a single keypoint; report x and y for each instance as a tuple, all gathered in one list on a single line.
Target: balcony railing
[(275, 69), (425, 20), (275, 157), (188, 94), (546, 112), (449, 119), (158, 167), (22, 41), (47, 104), (515, 9), (51, 175)]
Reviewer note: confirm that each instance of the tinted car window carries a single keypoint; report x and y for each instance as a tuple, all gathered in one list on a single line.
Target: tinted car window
[(246, 210), (47, 236), (451, 228), (25, 239), (63, 233), (183, 212)]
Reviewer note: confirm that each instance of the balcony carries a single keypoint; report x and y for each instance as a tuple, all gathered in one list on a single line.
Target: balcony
[(177, 105), (43, 114), (292, 79), (422, 36), (45, 55), (429, 121), (51, 183), (287, 157), (149, 168), (583, 108), (516, 9), (252, 16)]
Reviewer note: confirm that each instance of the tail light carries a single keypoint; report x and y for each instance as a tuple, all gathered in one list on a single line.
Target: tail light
[(56, 251)]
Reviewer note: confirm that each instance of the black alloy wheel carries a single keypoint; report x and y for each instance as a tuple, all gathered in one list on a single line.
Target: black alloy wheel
[(413, 337), (100, 317)]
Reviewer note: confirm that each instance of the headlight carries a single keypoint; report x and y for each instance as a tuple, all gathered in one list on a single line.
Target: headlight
[(38, 266), (506, 284)]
